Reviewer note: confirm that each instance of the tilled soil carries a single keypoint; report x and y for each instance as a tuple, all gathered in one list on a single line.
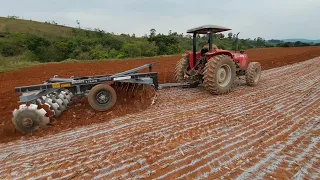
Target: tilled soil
[(271, 131), (81, 114)]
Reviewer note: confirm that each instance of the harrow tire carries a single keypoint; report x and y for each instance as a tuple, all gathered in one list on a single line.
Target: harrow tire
[(217, 67), (253, 73), (102, 90), (181, 66)]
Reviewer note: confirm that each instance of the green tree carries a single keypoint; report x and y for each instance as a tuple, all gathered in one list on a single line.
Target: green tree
[(130, 50), (175, 49), (152, 32), (148, 49), (163, 42), (98, 54), (113, 53), (98, 44)]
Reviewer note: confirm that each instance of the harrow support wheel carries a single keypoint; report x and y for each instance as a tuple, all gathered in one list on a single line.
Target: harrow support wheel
[(102, 97), (253, 73), (219, 74)]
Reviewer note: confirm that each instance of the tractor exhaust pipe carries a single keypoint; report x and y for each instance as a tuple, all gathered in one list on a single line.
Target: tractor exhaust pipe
[(236, 43)]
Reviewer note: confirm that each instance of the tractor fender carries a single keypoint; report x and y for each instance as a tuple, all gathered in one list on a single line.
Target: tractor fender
[(240, 59)]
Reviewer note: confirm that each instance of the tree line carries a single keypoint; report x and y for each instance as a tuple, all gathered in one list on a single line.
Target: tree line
[(87, 44)]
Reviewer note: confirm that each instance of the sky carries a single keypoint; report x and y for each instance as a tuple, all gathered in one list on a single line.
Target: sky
[(271, 19)]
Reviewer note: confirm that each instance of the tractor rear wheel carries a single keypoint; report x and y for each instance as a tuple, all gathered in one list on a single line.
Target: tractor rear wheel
[(180, 72), (219, 74), (102, 97), (181, 66), (253, 73)]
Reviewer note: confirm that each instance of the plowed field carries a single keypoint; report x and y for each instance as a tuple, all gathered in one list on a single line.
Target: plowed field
[(266, 132)]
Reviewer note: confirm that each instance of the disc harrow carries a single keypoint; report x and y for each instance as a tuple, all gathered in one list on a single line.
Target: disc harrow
[(40, 103), (32, 116)]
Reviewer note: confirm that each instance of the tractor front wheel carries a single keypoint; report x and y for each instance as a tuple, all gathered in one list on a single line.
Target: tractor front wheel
[(102, 97), (253, 73), (219, 74)]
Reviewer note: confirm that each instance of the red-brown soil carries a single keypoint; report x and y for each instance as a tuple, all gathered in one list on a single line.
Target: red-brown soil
[(270, 131), (81, 114)]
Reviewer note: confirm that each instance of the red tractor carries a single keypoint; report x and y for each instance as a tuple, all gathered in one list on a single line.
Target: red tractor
[(215, 68)]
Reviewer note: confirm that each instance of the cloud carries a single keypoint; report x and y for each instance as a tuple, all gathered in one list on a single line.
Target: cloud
[(253, 18)]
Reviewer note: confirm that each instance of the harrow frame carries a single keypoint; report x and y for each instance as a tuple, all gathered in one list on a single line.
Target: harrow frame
[(80, 86)]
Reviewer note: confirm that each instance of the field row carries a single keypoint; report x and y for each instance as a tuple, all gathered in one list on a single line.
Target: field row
[(271, 130)]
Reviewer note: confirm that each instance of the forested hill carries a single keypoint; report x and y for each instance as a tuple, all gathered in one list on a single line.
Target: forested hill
[(47, 42)]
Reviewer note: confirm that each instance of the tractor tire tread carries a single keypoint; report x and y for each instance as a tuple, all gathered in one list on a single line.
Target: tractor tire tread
[(209, 75), (181, 65), (251, 75)]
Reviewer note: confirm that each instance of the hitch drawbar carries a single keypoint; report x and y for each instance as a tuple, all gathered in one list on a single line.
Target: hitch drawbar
[(41, 102)]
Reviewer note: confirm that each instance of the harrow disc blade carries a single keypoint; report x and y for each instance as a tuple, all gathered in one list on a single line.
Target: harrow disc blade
[(67, 95), (67, 92), (27, 119), (64, 99), (48, 109), (69, 98), (33, 106), (54, 107), (44, 120), (15, 112), (30, 117), (62, 106), (44, 97), (23, 106), (133, 93)]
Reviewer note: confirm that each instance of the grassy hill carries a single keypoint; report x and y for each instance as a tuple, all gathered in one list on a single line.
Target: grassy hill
[(12, 25)]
